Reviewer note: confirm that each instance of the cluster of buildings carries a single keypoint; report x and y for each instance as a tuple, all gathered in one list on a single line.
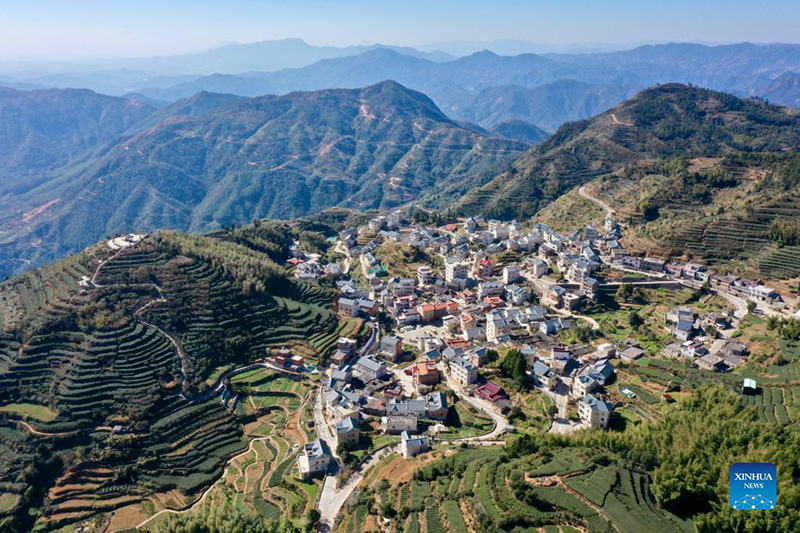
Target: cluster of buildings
[(309, 266), (704, 339)]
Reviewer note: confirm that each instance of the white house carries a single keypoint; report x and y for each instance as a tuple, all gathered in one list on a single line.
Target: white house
[(370, 369), (412, 446), (583, 385), (455, 268), (314, 459), (593, 412), (463, 371), (510, 274)]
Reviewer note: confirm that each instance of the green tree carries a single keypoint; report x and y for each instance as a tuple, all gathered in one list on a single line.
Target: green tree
[(514, 366)]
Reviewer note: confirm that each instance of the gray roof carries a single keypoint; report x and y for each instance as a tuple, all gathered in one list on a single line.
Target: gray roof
[(541, 369), (347, 424), (370, 364), (436, 401), (597, 405), (318, 448)]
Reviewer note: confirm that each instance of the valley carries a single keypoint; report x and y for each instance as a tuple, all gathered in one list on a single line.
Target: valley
[(279, 288)]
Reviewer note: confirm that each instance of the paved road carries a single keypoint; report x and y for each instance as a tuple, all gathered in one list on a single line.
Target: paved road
[(332, 497)]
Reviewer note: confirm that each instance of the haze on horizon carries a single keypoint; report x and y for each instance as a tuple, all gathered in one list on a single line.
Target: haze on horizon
[(91, 29)]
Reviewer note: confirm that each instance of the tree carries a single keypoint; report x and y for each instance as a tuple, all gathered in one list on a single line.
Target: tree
[(514, 366), (634, 319), (625, 292)]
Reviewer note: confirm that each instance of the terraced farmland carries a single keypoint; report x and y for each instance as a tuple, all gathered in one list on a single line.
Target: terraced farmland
[(102, 368), (559, 489), (775, 404)]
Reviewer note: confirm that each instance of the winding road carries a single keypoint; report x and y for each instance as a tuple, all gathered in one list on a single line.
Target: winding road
[(600, 203), (333, 496)]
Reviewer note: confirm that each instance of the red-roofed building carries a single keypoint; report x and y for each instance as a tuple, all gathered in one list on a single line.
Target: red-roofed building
[(485, 268), (490, 392), (494, 301)]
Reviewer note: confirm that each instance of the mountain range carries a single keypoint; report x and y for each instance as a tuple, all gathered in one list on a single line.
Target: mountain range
[(483, 87), (218, 160)]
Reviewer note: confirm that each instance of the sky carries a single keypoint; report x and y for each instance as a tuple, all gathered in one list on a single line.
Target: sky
[(90, 29)]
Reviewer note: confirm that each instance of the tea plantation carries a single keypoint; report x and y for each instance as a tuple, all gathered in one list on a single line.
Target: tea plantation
[(107, 358)]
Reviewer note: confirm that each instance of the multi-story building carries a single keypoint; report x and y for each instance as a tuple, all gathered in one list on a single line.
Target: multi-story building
[(455, 268), (424, 276), (412, 446), (370, 368), (463, 371), (348, 431), (314, 459), (401, 287), (593, 412)]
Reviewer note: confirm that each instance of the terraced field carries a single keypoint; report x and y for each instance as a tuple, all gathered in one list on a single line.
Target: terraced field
[(775, 404), (559, 490), (102, 367)]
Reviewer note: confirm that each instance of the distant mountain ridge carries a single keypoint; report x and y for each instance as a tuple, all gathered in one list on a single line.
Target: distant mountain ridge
[(42, 130), (219, 160), (557, 87)]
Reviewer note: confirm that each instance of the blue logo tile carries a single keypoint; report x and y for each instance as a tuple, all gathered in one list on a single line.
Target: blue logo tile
[(753, 486)]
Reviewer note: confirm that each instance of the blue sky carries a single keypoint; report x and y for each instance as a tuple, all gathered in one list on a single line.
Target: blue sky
[(60, 29)]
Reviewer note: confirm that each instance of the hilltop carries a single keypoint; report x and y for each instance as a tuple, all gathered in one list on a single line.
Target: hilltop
[(659, 122), (107, 355), (214, 161)]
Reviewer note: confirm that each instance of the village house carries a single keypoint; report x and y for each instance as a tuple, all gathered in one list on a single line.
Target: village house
[(543, 376), (516, 294), (348, 307), (370, 369), (412, 446), (424, 276), (710, 362), (539, 268), (345, 349), (455, 269), (314, 459), (347, 431), (426, 374), (391, 346), (436, 406), (510, 274), (593, 412), (583, 385), (631, 353), (393, 425), (463, 371)]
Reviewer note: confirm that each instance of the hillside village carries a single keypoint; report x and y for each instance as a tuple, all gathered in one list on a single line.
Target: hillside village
[(491, 287)]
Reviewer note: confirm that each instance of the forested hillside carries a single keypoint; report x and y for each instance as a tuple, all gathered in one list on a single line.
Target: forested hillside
[(42, 130), (659, 122), (215, 160), (138, 346)]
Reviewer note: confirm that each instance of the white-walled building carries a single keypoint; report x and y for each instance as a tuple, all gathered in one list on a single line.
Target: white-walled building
[(315, 458), (412, 446), (455, 268), (593, 412), (463, 371), (370, 368), (510, 274)]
